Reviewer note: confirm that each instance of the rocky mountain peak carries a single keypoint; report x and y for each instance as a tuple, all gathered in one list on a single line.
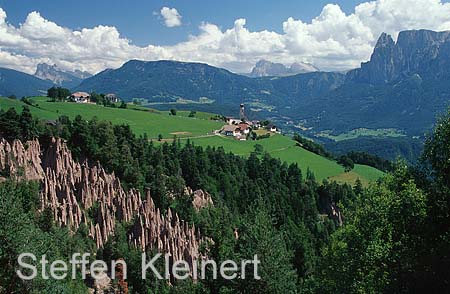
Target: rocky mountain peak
[(60, 77), (416, 52), (384, 40), (303, 67), (265, 68)]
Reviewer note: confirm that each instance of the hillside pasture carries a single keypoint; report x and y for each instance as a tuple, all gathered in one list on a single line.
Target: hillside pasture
[(199, 130)]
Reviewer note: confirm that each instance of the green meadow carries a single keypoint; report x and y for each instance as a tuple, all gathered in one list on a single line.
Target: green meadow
[(141, 120), (285, 149), (198, 129)]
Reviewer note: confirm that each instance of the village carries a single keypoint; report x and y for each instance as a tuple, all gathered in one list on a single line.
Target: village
[(243, 129)]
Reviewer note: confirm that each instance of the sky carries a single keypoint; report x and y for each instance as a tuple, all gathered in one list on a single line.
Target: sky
[(99, 34)]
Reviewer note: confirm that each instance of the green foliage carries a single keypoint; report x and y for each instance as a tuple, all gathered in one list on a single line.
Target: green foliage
[(377, 250), (370, 160), (259, 149), (346, 162), (23, 230), (58, 93), (312, 146), (9, 124), (123, 105), (258, 235), (387, 148), (262, 137), (267, 203), (437, 153)]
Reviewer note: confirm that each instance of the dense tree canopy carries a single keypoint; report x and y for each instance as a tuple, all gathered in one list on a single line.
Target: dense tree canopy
[(392, 237)]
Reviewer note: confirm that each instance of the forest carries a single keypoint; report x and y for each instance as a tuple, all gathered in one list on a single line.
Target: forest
[(394, 237)]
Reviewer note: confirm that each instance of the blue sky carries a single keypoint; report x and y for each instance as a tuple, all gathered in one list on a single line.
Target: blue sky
[(136, 21), (232, 34)]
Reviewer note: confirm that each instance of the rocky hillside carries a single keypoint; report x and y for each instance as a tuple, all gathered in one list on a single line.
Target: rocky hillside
[(54, 74), (83, 193)]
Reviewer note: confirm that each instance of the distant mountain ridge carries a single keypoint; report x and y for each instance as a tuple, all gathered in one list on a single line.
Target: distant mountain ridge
[(265, 68), (170, 81), (53, 73), (403, 86), (17, 83)]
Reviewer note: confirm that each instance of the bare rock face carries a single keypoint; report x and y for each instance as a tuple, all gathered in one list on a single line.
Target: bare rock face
[(21, 161), (421, 54), (201, 199), (81, 193)]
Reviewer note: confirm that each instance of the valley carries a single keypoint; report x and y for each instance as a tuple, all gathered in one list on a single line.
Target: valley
[(198, 130), (381, 100), (260, 147)]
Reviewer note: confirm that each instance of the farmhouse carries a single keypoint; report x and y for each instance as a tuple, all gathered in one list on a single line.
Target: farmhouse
[(112, 98), (231, 130), (239, 131), (80, 97), (272, 128), (244, 128)]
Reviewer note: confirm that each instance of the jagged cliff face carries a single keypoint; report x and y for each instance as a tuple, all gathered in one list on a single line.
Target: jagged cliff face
[(264, 68), (422, 53), (23, 162), (59, 77), (71, 189)]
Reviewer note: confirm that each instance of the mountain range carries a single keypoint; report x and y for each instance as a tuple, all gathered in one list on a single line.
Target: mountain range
[(54, 74), (208, 87), (265, 68), (403, 87), (20, 84)]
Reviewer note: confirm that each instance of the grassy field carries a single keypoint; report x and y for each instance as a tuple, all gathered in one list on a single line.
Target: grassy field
[(363, 172), (284, 148), (143, 120), (198, 114)]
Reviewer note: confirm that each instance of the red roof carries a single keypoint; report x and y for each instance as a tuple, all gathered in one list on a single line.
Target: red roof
[(243, 127)]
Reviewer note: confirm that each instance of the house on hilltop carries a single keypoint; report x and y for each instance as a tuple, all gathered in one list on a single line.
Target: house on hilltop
[(80, 97), (244, 128), (273, 128), (231, 130), (240, 132), (112, 98)]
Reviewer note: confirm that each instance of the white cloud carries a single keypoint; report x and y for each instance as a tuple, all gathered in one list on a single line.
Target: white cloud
[(332, 41), (171, 17)]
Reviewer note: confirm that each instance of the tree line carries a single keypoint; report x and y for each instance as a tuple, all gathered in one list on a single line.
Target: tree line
[(394, 236), (348, 159)]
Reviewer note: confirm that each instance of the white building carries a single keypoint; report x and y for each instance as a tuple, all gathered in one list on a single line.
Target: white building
[(80, 97), (112, 98)]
